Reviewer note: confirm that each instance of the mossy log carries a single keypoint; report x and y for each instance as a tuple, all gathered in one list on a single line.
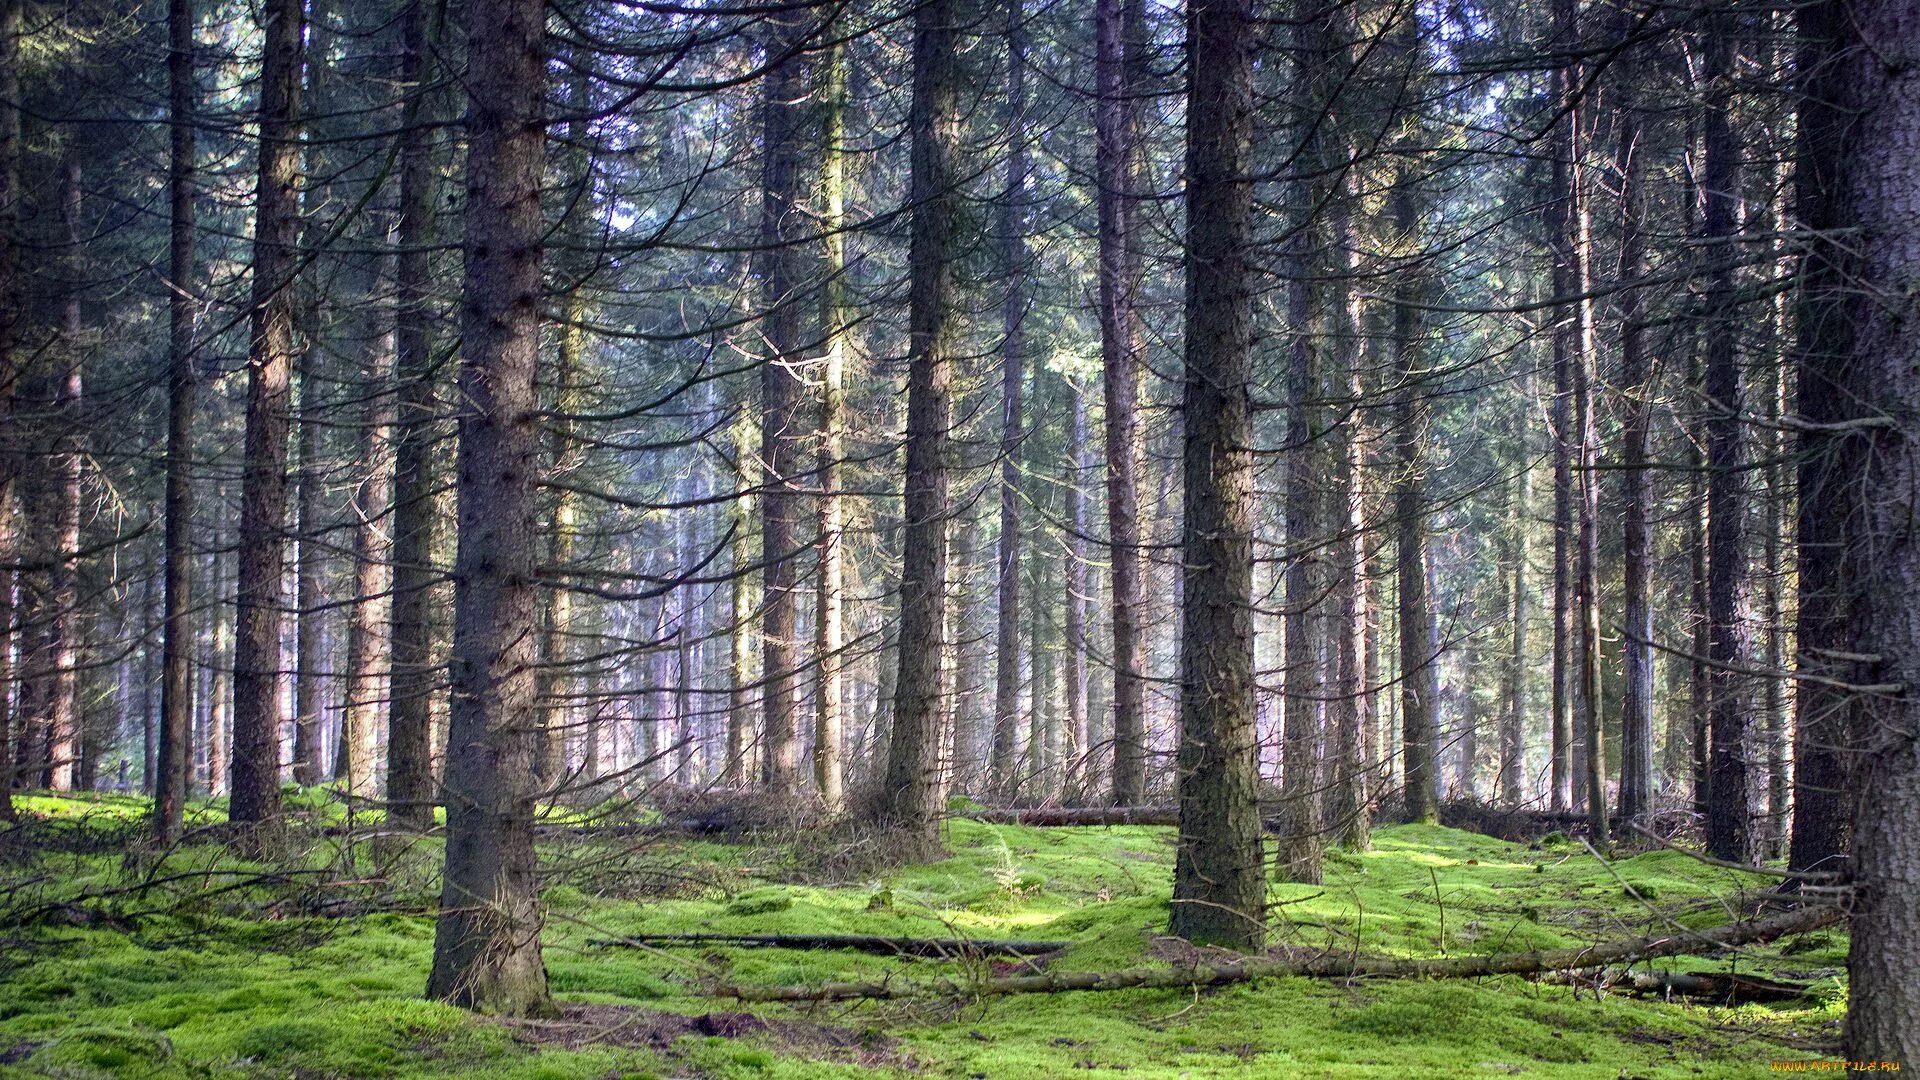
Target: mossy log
[(1324, 966), (1719, 987), (946, 948)]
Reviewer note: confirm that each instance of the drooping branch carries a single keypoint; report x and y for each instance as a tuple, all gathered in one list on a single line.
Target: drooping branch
[(939, 948)]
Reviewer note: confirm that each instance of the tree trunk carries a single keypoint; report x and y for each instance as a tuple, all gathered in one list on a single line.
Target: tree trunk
[(486, 953), (169, 775), (1637, 789), (1419, 635), (369, 503), (829, 618), (263, 499), (411, 678), (1861, 133), (785, 110), (1219, 890), (1073, 594), (10, 362), (1119, 27), (1729, 615), (911, 800), (311, 613), (1013, 350), (1512, 782)]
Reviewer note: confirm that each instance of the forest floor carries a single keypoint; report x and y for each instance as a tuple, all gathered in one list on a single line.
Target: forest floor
[(314, 968)]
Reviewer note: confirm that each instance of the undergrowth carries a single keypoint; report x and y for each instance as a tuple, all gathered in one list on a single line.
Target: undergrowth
[(184, 979)]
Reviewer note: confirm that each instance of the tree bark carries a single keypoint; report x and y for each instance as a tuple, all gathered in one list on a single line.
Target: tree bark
[(1219, 890), (263, 500), (829, 618), (1004, 763), (1419, 635), (912, 797), (1637, 789), (1119, 27), (486, 952), (10, 363), (1863, 131), (168, 778), (1729, 614), (411, 674), (785, 111)]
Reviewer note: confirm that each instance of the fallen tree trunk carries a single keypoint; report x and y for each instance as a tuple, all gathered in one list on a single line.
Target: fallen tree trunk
[(1324, 966), (945, 948), (1723, 988), (1079, 815)]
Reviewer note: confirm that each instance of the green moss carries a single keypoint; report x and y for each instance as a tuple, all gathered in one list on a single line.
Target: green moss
[(208, 992)]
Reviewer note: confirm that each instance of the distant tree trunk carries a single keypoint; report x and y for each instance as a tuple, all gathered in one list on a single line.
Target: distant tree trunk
[(410, 791), (911, 799), (1637, 789), (741, 745), (1219, 890), (829, 618), (783, 277), (309, 589), (1729, 614), (168, 776), (263, 500), (1698, 695), (58, 695), (1074, 595), (1587, 715), (1419, 634), (486, 953), (1013, 350), (1119, 29), (1863, 132), (369, 504), (1512, 781), (1348, 818), (1561, 240)]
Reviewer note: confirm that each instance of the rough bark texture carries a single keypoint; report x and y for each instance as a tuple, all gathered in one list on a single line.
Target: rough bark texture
[(784, 114), (411, 676), (1219, 890), (486, 953), (912, 795), (1729, 618), (263, 497), (1118, 28), (1874, 48), (1512, 782)]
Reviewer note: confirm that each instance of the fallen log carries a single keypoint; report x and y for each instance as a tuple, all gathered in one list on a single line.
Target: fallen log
[(1322, 966), (1079, 815), (1723, 988), (942, 948)]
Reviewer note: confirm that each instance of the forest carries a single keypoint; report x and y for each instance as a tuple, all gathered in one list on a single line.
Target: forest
[(592, 539)]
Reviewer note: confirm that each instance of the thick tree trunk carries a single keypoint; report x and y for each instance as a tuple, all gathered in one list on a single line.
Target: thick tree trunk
[(785, 112), (1729, 616), (486, 952), (263, 499), (369, 503), (1219, 890), (1119, 28), (411, 678), (912, 797), (1862, 116)]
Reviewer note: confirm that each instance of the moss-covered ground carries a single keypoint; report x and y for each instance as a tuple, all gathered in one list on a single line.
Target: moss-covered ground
[(317, 971)]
